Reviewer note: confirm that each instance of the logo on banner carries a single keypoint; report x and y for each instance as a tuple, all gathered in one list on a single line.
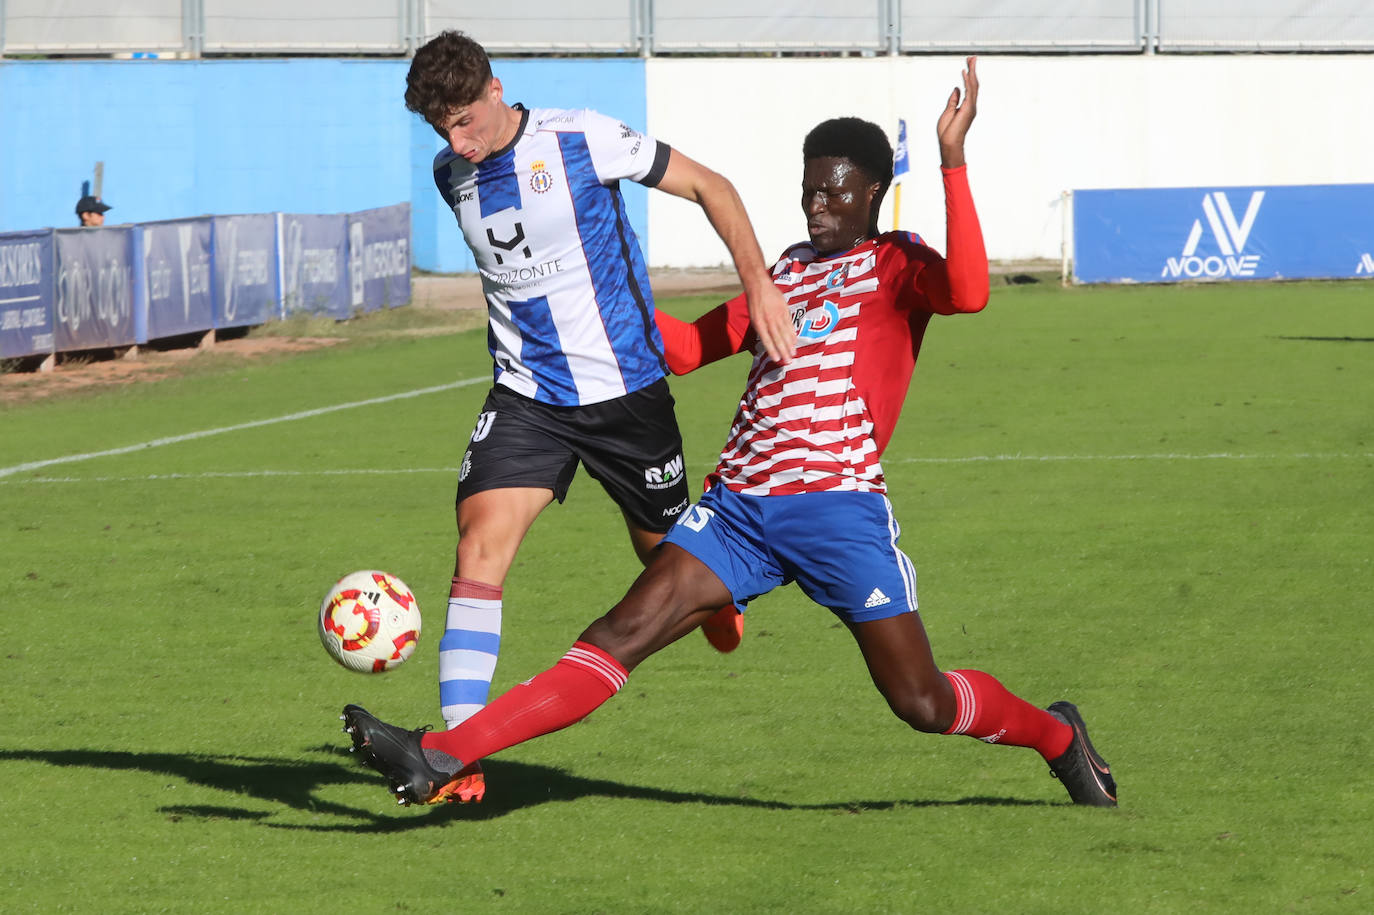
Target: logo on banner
[(245, 269), (1366, 264), (94, 291), (195, 270), (21, 265), (1228, 234), (355, 263), (302, 266)]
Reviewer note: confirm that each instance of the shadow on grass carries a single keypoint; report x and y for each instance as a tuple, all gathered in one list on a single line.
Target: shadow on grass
[(293, 783), (1332, 339)]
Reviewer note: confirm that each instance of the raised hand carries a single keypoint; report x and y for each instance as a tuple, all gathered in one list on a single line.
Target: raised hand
[(956, 118)]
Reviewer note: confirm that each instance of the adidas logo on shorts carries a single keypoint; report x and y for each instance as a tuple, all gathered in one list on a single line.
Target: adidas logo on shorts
[(877, 599)]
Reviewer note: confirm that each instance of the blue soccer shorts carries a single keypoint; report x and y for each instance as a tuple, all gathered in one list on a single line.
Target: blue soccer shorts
[(839, 547)]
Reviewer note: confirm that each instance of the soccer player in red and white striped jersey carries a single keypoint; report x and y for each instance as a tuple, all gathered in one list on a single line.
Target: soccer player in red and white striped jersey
[(799, 493)]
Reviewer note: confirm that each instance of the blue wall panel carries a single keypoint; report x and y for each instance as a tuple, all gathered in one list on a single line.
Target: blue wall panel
[(190, 138)]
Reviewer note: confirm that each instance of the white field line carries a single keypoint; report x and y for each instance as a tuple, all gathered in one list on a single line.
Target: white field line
[(697, 466), (239, 427)]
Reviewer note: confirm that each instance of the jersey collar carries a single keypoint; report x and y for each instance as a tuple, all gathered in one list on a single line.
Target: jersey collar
[(519, 131), (867, 242)]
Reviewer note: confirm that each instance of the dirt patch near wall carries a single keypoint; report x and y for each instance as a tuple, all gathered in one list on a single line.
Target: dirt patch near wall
[(105, 368)]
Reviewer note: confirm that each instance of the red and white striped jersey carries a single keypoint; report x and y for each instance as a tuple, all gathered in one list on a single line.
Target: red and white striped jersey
[(821, 422)]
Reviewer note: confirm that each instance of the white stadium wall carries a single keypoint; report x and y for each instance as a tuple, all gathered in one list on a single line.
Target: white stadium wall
[(1045, 125)]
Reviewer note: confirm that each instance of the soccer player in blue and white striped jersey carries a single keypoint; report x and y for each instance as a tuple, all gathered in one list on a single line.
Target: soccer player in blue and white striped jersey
[(579, 371)]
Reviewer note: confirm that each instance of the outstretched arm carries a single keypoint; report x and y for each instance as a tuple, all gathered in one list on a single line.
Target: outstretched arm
[(722, 331), (962, 285), (717, 197)]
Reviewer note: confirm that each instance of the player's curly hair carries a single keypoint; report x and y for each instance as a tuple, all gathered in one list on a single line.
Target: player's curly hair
[(449, 71), (861, 142)]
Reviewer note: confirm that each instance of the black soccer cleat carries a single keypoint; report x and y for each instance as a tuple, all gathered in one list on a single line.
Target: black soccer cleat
[(397, 754), (1085, 774)]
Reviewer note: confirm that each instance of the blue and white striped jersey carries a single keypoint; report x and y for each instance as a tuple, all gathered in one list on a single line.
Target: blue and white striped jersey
[(570, 312)]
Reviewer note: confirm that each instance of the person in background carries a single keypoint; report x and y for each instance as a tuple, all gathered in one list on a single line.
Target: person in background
[(90, 212)]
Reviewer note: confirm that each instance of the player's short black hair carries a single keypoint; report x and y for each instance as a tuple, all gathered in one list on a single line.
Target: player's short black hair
[(861, 142), (448, 72)]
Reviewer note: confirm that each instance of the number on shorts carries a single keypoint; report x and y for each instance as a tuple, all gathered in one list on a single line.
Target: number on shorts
[(484, 421), (696, 518)]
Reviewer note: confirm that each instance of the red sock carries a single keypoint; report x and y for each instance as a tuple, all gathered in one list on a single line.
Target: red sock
[(986, 710), (470, 587), (564, 694)]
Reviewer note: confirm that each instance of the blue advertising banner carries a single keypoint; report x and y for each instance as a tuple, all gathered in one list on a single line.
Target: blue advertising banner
[(176, 266), (245, 281), (314, 253), (379, 257), (94, 288), (1170, 235), (26, 294)]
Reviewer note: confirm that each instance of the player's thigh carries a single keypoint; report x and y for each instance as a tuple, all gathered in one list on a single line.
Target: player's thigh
[(491, 525), (516, 444), (632, 447), (675, 594)]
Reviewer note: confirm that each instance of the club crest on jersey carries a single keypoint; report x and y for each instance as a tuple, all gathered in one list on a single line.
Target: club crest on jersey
[(837, 277), (540, 179), (817, 322)]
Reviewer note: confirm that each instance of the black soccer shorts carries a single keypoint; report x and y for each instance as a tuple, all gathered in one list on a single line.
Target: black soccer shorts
[(630, 445)]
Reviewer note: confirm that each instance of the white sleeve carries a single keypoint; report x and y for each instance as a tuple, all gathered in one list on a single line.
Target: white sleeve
[(619, 151)]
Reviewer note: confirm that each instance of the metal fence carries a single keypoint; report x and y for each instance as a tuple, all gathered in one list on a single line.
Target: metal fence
[(197, 28)]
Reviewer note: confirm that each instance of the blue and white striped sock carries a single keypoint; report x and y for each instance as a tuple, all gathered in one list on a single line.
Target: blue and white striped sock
[(469, 648)]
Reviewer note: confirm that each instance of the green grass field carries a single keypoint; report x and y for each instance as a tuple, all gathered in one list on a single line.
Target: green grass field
[(1156, 502)]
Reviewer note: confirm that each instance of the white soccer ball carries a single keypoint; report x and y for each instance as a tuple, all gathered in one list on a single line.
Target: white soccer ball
[(370, 622)]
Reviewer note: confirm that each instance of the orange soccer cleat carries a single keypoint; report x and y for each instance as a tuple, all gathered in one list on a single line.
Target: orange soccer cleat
[(724, 629), (469, 786)]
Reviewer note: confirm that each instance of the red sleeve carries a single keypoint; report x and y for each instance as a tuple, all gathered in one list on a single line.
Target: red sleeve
[(959, 283), (722, 331)]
